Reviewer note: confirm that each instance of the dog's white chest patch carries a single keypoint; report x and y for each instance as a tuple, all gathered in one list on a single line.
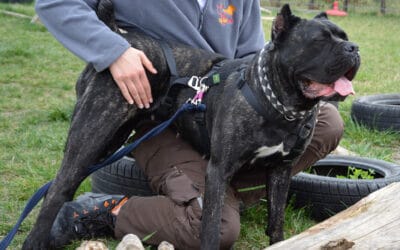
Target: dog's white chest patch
[(265, 151)]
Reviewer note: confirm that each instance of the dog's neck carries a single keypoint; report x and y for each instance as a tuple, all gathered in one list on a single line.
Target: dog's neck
[(271, 93)]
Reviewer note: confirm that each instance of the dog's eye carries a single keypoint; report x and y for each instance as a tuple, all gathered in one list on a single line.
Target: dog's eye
[(319, 39), (337, 32), (321, 36), (343, 35)]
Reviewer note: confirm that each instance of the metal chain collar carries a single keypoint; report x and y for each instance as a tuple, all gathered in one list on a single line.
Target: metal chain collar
[(288, 112)]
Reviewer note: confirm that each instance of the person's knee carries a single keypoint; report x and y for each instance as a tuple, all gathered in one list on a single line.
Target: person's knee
[(327, 134), (328, 131), (229, 237), (230, 228)]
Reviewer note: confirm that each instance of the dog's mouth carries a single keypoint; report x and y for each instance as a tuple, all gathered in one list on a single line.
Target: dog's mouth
[(341, 86)]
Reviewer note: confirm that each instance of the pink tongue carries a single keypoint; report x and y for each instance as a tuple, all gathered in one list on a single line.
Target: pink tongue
[(344, 87)]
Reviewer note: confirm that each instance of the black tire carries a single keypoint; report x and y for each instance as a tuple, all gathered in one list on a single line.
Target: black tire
[(381, 112), (324, 195), (121, 177), (327, 196)]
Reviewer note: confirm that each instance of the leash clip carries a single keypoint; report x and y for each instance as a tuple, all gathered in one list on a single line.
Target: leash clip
[(197, 83), (289, 117)]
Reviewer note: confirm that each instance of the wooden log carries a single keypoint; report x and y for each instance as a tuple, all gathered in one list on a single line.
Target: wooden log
[(371, 223)]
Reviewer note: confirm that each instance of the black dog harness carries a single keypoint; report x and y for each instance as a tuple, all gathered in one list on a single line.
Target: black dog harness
[(295, 140), (199, 84)]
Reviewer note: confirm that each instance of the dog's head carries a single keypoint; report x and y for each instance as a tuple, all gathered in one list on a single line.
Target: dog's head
[(315, 55)]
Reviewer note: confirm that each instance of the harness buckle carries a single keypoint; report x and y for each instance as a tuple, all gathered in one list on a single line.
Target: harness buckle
[(289, 118), (197, 83), (305, 131)]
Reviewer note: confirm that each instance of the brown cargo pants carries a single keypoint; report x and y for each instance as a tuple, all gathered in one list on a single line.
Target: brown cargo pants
[(177, 174)]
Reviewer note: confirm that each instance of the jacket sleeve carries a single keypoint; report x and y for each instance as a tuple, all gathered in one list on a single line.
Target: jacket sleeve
[(251, 37), (74, 24)]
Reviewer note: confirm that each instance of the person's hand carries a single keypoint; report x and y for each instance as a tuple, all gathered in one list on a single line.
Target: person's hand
[(129, 73)]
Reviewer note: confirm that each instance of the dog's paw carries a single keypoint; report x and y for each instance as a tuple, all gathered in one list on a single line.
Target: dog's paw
[(36, 243)]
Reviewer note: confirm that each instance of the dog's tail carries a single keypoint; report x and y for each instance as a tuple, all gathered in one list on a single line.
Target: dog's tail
[(105, 12)]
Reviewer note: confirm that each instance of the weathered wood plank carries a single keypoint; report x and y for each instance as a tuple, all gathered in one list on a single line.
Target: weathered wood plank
[(371, 223)]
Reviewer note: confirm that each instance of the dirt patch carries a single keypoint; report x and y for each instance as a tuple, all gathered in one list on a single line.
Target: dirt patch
[(396, 156)]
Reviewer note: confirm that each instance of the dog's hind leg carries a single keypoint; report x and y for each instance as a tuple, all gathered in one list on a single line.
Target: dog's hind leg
[(99, 126), (278, 180)]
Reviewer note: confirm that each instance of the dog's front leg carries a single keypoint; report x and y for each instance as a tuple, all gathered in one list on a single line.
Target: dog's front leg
[(213, 202), (278, 180)]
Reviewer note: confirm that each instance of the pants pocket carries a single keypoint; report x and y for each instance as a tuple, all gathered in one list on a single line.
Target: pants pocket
[(179, 187)]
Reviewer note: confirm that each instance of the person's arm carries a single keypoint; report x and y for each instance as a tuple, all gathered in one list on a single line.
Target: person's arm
[(75, 24), (251, 38)]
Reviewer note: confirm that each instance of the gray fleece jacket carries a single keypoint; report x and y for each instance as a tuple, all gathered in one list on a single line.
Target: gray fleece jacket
[(229, 27)]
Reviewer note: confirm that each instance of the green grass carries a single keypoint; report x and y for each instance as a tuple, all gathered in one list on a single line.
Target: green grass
[(354, 6), (252, 235), (37, 78)]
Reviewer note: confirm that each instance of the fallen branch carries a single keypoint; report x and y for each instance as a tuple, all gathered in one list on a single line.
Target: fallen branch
[(34, 19), (268, 18), (15, 14), (265, 10)]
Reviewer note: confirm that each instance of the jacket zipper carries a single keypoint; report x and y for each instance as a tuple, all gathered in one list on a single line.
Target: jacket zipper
[(202, 15)]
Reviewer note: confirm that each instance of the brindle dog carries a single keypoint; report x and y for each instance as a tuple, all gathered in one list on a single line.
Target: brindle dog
[(306, 60)]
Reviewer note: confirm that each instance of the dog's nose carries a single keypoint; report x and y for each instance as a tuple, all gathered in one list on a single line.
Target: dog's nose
[(351, 47)]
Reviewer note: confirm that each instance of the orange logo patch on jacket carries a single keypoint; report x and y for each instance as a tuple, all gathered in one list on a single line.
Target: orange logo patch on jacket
[(225, 14)]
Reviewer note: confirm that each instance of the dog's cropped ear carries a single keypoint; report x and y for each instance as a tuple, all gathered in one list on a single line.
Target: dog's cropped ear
[(283, 22), (321, 15)]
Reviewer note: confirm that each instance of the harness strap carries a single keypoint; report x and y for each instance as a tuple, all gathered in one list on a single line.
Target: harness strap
[(168, 100), (169, 57), (249, 95), (298, 137), (213, 77), (210, 79)]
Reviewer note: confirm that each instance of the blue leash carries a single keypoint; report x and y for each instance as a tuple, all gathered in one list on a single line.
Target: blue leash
[(34, 200)]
